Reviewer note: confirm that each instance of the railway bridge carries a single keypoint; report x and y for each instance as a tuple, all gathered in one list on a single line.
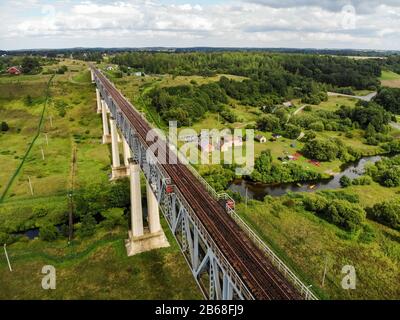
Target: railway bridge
[(227, 259)]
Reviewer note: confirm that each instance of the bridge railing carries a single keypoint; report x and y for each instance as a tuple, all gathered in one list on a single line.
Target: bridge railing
[(288, 273)]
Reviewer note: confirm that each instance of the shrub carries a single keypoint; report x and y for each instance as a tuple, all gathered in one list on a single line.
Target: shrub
[(342, 213), (363, 181), (345, 181), (113, 217), (387, 213), (4, 126), (48, 233), (317, 126)]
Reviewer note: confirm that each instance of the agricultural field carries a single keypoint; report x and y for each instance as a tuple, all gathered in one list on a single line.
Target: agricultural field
[(95, 267)]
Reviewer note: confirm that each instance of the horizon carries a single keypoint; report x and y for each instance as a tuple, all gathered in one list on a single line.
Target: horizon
[(199, 47), (306, 24)]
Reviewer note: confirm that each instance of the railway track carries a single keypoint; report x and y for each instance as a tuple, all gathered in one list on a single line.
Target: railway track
[(261, 277)]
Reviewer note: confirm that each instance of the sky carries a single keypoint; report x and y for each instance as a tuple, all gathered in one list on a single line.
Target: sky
[(355, 24)]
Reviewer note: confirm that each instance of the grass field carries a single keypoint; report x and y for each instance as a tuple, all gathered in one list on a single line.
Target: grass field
[(95, 268), (308, 244), (390, 79)]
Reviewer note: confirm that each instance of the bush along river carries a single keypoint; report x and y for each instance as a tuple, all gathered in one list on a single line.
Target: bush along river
[(258, 191)]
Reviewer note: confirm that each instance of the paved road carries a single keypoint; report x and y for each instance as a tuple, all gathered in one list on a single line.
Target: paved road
[(367, 98), (395, 125)]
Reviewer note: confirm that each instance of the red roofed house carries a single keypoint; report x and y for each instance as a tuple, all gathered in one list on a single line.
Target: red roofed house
[(14, 71)]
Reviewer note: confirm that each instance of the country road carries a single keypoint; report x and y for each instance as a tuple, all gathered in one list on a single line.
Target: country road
[(367, 98)]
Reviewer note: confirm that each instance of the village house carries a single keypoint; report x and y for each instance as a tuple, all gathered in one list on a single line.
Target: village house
[(260, 138), (206, 146), (287, 104), (230, 142), (188, 138), (14, 71)]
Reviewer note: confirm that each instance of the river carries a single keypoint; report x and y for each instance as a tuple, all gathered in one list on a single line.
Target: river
[(259, 190)]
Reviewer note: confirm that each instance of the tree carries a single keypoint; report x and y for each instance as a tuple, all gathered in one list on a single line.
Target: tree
[(321, 150), (30, 65), (389, 98), (88, 226), (119, 194), (268, 122), (48, 233), (308, 136), (390, 177), (292, 131)]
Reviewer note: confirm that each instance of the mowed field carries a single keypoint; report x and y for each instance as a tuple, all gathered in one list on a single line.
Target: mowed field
[(92, 268), (390, 79)]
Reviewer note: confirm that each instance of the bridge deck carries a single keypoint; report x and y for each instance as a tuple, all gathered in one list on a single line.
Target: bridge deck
[(261, 277)]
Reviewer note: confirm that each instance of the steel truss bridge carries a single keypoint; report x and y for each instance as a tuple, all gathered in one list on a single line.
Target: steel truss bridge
[(227, 259)]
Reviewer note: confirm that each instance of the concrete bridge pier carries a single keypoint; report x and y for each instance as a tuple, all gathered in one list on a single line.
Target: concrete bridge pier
[(127, 155), (98, 97), (106, 130), (118, 171), (141, 240)]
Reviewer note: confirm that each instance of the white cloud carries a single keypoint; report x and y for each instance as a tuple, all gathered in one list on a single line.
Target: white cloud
[(261, 23)]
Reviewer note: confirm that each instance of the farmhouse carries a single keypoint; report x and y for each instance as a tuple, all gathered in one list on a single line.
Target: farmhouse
[(14, 70), (287, 104), (260, 138)]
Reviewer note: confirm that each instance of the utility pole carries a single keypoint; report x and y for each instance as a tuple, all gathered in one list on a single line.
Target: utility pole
[(246, 197), (325, 269), (8, 260), (70, 196), (51, 121), (42, 153), (30, 184), (47, 138)]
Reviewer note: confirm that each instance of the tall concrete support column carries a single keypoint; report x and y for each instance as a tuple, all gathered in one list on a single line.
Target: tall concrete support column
[(140, 241), (136, 200), (98, 101), (127, 152), (153, 210), (106, 130), (114, 144), (118, 171)]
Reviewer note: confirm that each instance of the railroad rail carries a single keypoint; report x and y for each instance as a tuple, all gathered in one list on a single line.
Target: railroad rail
[(221, 250)]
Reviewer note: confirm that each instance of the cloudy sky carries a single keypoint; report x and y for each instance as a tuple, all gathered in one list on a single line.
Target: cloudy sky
[(364, 24)]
